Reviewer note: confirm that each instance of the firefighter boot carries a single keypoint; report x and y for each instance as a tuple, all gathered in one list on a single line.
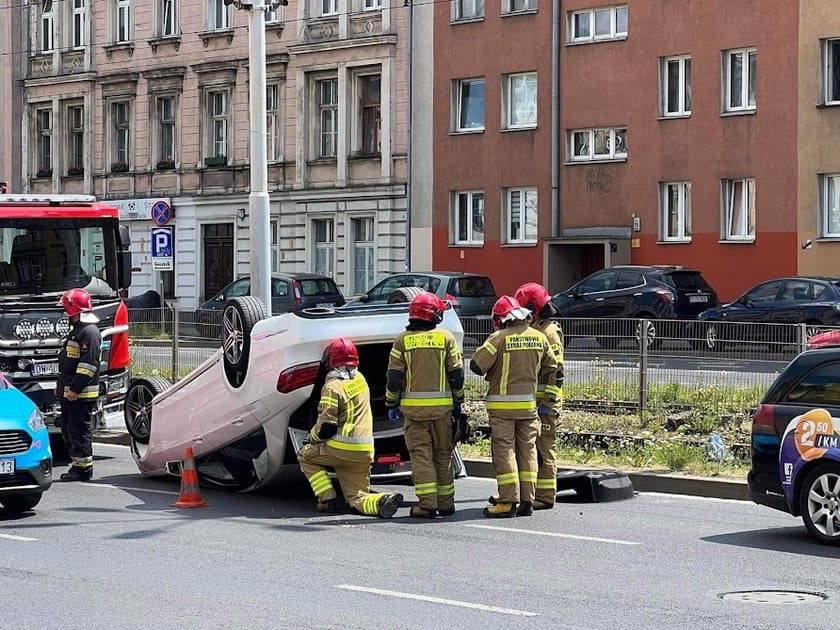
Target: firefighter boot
[(526, 508), (329, 507), (419, 512), (446, 512), (388, 505), (501, 510), (542, 505), (77, 473)]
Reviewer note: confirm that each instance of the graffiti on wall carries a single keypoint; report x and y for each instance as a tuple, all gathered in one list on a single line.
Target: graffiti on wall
[(598, 179)]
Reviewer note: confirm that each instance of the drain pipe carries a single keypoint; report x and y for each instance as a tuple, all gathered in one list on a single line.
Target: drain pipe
[(409, 193), (555, 118)]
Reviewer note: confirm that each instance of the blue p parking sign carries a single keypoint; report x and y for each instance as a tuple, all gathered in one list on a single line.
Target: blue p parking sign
[(162, 249)]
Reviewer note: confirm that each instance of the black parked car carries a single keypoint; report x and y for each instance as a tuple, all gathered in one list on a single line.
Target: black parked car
[(632, 292), (813, 301), (289, 292), (795, 445)]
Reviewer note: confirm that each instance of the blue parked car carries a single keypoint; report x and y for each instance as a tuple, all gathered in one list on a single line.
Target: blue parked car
[(25, 455)]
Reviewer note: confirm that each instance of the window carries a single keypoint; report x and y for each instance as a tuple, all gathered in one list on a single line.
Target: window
[(597, 282), (598, 144), (675, 75), (275, 250), (469, 105), (272, 15), (324, 247), (44, 129), (739, 209), (122, 21), (598, 24), (168, 18), (75, 140), (217, 103), (218, 15), (628, 280), (517, 6), (272, 122), (326, 7), (469, 218), (675, 211), (520, 100), (79, 23), (372, 5), (120, 130), (521, 215), (370, 102), (45, 27), (364, 261), (739, 80), (166, 131), (831, 71), (818, 388), (328, 117), (467, 9), (830, 206)]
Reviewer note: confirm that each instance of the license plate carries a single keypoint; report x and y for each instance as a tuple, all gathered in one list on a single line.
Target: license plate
[(698, 298), (326, 305), (43, 369), (7, 466), (482, 316)]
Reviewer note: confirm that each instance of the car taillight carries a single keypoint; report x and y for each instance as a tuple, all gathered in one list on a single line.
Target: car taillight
[(296, 292), (665, 296), (296, 377), (453, 301), (764, 420), (389, 460)]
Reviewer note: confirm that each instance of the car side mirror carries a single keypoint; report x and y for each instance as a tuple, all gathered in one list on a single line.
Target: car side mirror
[(364, 297)]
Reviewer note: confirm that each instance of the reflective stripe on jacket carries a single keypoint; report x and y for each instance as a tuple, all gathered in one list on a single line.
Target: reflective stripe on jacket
[(346, 404)]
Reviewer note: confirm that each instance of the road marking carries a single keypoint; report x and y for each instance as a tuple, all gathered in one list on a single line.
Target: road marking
[(437, 600), (130, 488), (691, 497), (555, 534), (18, 538)]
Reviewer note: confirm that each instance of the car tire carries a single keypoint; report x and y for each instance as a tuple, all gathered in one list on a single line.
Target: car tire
[(404, 295), (653, 342), (21, 503), (137, 409), (819, 493), (710, 340), (238, 320)]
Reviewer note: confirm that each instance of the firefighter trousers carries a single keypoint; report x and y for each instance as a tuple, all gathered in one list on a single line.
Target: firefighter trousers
[(429, 444), (352, 471), (77, 431), (514, 449), (547, 473)]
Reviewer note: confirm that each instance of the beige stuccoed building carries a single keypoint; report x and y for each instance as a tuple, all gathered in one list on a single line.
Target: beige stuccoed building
[(137, 102)]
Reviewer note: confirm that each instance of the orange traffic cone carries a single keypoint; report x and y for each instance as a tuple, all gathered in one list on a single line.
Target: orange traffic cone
[(190, 495)]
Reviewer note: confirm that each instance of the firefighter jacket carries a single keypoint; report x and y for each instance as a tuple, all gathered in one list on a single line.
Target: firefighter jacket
[(554, 334), (425, 373), (78, 361), (345, 403), (512, 361)]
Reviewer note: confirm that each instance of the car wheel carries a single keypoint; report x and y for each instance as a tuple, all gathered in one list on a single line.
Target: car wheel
[(21, 503), (711, 338), (812, 329), (238, 320), (404, 295), (137, 410), (819, 503), (653, 341)]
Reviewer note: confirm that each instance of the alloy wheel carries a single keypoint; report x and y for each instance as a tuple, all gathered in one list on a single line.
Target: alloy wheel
[(234, 335), (824, 504)]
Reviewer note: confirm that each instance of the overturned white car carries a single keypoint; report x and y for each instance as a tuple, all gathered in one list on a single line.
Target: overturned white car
[(246, 410)]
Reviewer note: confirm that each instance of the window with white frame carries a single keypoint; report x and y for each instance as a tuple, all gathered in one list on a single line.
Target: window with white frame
[(372, 5), (272, 122), (79, 25), (521, 215), (218, 122), (598, 24), (831, 71), (370, 105), (598, 144), (46, 26), (166, 121), (75, 139), (675, 211), (167, 18), (120, 135), (738, 209), (325, 8), (122, 21), (328, 117), (44, 127), (468, 220), (520, 92), (739, 80), (364, 254), (272, 14), (467, 10), (518, 6), (275, 249), (830, 206), (324, 232), (469, 105), (218, 15), (675, 75)]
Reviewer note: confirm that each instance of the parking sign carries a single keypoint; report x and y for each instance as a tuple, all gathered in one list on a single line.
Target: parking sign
[(162, 249)]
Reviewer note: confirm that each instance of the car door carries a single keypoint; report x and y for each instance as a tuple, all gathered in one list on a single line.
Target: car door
[(235, 289), (791, 306), (282, 300), (754, 307), (627, 295), (594, 296)]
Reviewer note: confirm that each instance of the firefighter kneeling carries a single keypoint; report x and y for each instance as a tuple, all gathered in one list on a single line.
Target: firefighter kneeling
[(513, 360), (342, 438)]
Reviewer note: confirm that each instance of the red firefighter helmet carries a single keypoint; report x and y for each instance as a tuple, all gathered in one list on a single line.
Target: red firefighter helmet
[(76, 301), (503, 308), (427, 307), (341, 352), (532, 296)]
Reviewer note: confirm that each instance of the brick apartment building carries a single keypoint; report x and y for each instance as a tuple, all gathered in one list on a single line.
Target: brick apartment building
[(694, 132)]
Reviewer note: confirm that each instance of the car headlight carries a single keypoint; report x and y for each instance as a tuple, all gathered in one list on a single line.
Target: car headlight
[(36, 421)]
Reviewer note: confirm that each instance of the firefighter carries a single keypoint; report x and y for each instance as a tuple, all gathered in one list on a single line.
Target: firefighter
[(425, 391), (78, 383), (342, 438), (537, 299), (513, 360)]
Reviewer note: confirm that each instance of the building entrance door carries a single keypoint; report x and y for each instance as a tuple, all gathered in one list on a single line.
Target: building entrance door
[(218, 257)]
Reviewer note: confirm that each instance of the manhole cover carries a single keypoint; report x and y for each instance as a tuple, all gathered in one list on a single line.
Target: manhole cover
[(774, 597)]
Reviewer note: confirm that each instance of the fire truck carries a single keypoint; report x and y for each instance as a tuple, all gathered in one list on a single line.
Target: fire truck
[(48, 244)]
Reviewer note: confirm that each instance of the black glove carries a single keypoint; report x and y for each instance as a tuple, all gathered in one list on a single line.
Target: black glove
[(460, 427)]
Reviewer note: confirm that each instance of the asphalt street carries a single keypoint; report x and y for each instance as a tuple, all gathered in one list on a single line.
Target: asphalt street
[(114, 554)]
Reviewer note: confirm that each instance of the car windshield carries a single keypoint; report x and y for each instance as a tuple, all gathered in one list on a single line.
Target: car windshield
[(686, 281), (317, 286), (472, 286)]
